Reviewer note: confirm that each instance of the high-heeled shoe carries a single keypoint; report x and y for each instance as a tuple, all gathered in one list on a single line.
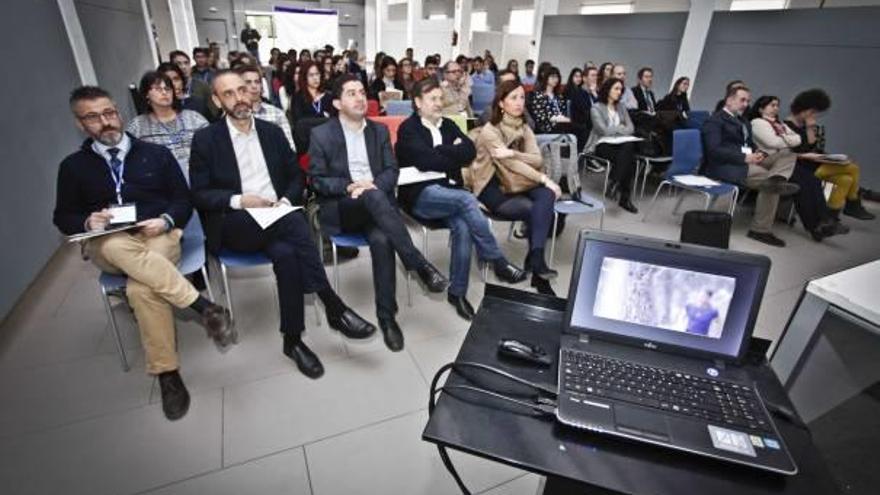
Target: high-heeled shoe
[(627, 205), (535, 263), (542, 286)]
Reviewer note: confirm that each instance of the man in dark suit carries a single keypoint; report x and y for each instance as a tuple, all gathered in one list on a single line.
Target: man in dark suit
[(354, 174), (429, 142), (731, 156), (643, 92), (242, 162), (110, 175)]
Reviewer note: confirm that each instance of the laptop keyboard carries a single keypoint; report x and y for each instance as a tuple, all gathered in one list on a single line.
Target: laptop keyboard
[(717, 402)]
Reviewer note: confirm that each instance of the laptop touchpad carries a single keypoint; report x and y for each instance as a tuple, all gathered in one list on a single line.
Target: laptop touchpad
[(634, 420)]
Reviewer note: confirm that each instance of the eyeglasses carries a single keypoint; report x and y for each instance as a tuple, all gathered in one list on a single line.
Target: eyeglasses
[(162, 89), (95, 118), (457, 71)]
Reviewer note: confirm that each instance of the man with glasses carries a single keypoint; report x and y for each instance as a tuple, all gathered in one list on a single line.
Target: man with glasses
[(263, 110), (115, 175), (456, 93)]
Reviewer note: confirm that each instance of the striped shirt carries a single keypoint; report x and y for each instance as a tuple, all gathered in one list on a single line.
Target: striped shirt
[(275, 115), (176, 135)]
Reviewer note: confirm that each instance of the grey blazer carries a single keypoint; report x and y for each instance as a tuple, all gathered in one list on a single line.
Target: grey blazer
[(602, 126)]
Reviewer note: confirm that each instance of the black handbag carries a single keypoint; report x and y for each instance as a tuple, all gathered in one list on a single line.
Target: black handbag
[(708, 228)]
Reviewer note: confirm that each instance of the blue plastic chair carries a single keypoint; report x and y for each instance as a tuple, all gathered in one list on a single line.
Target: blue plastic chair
[(696, 118), (687, 153), (399, 107), (354, 241), (482, 96), (192, 259)]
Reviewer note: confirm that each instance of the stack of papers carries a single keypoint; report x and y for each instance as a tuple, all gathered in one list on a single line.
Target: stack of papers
[(412, 175), (91, 235), (619, 139), (265, 217), (696, 181), (836, 157)]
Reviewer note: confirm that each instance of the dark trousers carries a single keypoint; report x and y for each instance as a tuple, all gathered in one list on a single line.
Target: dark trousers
[(623, 163), (295, 260), (534, 207), (374, 215), (810, 200)]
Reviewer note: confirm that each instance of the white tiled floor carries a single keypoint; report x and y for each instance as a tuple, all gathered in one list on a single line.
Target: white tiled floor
[(72, 422)]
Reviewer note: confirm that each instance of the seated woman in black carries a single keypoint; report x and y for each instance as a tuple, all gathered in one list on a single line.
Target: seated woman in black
[(611, 120), (677, 101), (311, 101), (547, 105), (386, 80), (580, 102)]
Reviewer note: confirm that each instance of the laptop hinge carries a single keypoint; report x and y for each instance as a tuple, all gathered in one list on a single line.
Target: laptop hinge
[(719, 364), (584, 338)]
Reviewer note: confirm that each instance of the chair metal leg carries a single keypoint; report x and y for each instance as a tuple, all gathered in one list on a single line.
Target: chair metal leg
[(653, 200), (510, 231), (408, 289), (207, 283), (317, 310), (335, 268), (709, 201), (553, 238), (224, 273), (733, 201), (678, 204), (424, 241), (607, 176), (602, 219), (645, 173), (117, 338)]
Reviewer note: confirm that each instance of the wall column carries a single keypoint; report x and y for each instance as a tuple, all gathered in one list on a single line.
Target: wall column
[(462, 26), (693, 41), (542, 8)]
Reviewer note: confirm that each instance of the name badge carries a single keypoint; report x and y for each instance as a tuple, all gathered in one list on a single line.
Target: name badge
[(747, 150), (123, 214)]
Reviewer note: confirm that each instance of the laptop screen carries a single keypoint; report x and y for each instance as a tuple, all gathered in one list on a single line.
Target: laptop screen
[(656, 294)]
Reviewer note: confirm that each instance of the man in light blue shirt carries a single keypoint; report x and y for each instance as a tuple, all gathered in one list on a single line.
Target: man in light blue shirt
[(481, 74)]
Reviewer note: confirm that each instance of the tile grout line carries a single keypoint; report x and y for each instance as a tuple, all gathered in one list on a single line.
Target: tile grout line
[(308, 472), (223, 427)]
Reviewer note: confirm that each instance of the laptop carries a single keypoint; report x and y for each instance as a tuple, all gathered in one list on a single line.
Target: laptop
[(654, 331)]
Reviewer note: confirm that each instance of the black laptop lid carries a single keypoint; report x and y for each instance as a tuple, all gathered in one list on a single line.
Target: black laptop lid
[(672, 297)]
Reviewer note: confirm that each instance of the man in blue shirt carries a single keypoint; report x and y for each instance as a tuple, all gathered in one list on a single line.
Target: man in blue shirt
[(481, 74), (701, 314)]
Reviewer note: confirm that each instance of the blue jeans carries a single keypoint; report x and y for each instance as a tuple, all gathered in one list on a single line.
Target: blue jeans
[(467, 226)]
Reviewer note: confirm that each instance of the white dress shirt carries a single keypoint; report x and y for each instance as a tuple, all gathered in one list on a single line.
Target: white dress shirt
[(252, 167), (436, 136), (358, 158)]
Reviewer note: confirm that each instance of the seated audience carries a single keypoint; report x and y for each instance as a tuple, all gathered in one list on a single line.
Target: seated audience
[(430, 142), (305, 55), (610, 119), (845, 176), (628, 99), (731, 156), (604, 73), (165, 122), (481, 74), (547, 104), (195, 103), (386, 80), (192, 88), (657, 136), (261, 109), (311, 101), (354, 174), (431, 67), (242, 162), (503, 76), (736, 83), (456, 94), (202, 71), (580, 101), (405, 76), (513, 66), (529, 78), (508, 177), (677, 101), (591, 84), (113, 168)]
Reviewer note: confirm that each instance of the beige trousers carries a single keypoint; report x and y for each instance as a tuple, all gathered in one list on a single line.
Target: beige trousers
[(154, 285), (781, 164)]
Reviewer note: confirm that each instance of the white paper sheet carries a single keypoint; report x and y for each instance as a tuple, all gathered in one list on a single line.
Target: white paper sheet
[(696, 181), (412, 175), (265, 217), (619, 139)]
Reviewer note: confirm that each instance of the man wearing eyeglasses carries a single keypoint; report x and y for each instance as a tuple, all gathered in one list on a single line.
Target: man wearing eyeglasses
[(456, 92), (114, 175)]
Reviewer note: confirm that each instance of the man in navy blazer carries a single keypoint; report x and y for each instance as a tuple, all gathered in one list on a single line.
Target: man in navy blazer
[(731, 156), (432, 143), (114, 171), (354, 174), (240, 163)]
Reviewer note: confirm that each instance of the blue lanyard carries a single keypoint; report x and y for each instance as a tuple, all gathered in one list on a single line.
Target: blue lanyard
[(176, 137), (119, 180)]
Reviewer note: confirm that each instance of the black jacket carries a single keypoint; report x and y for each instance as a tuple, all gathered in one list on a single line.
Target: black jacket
[(723, 140), (152, 180), (580, 106), (415, 148), (378, 85), (302, 109), (328, 168), (214, 175), (640, 98)]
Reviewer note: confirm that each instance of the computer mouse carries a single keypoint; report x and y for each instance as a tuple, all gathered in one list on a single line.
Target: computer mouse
[(523, 351)]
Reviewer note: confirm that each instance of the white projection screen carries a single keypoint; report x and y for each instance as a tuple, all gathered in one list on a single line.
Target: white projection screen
[(305, 28)]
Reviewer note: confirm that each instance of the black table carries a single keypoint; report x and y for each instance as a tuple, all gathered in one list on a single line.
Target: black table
[(580, 461)]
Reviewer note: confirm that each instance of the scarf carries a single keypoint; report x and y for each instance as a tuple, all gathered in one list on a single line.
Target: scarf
[(512, 128)]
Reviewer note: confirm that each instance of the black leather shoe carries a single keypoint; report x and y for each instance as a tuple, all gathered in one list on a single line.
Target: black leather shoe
[(856, 210), (535, 263), (306, 360), (431, 278), (218, 324), (392, 335), (627, 205), (766, 238), (510, 273), (351, 325), (462, 306), (175, 397), (542, 286), (833, 227)]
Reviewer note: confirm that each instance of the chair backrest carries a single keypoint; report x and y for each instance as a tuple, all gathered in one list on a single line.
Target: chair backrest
[(372, 108), (461, 121), (687, 152), (192, 246), (482, 95), (399, 107), (696, 118), (393, 123)]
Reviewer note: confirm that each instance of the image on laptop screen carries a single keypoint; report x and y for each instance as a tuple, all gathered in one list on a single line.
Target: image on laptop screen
[(664, 297)]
